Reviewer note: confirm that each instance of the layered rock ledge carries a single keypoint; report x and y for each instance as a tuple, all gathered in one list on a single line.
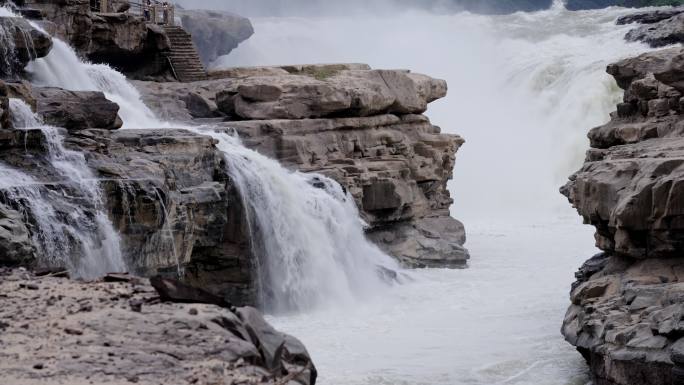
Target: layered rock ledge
[(626, 316), (118, 330), (362, 127)]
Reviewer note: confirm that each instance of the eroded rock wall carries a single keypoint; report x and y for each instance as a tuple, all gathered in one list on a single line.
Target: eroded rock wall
[(626, 315), (362, 127), (121, 39)]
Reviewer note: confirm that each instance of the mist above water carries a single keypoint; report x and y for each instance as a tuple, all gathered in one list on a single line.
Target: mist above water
[(281, 8), (524, 89)]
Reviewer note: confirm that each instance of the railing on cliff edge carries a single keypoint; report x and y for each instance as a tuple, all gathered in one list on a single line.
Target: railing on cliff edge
[(156, 12)]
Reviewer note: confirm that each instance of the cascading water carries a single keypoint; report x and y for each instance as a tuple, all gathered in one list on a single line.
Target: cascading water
[(524, 90), (306, 233), (82, 237), (62, 68), (310, 242)]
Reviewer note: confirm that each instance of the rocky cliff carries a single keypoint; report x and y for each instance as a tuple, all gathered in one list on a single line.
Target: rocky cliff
[(627, 312), (359, 126), (362, 127), (215, 33), (166, 195)]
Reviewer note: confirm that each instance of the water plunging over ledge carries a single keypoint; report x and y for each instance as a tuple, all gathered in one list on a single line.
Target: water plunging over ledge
[(82, 238), (306, 231), (495, 323)]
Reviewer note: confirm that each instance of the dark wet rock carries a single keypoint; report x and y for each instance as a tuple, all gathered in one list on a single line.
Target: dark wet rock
[(5, 117), (162, 342), (16, 244), (129, 44), (666, 32), (76, 110), (173, 290), (162, 180), (118, 38), (20, 42), (650, 17), (215, 33)]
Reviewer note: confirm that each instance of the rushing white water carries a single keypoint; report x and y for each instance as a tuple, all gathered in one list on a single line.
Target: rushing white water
[(524, 90), (96, 250), (306, 233), (62, 68), (496, 322), (310, 243)]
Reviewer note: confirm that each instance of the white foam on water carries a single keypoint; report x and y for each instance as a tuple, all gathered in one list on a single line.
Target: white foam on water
[(97, 250), (306, 234), (63, 68)]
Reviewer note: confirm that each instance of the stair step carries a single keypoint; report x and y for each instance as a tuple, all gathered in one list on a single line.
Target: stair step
[(184, 57)]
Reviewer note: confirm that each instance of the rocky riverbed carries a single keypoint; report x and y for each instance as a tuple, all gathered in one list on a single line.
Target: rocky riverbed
[(120, 330)]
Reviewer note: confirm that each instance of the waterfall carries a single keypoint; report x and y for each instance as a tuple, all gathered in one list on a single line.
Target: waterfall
[(523, 88), (7, 53), (62, 68), (306, 234), (81, 236), (306, 231)]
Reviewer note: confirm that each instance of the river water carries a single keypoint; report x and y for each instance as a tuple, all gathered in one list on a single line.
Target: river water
[(524, 91)]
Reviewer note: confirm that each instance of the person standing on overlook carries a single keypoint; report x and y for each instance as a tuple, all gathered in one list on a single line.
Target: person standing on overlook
[(147, 4)]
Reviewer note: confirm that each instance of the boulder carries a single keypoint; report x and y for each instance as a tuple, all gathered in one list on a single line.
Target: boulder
[(72, 19), (215, 33), (76, 110), (175, 209), (173, 290)]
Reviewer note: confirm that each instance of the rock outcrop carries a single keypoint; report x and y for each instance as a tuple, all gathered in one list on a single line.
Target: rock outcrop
[(626, 314), (76, 110), (119, 331), (215, 33), (659, 28), (359, 126), (20, 42), (121, 39)]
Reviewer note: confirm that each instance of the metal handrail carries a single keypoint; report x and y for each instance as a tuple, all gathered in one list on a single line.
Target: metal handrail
[(155, 12)]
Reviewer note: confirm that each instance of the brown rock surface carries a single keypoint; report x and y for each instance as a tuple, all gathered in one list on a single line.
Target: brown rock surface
[(55, 330), (359, 126), (626, 311), (76, 110)]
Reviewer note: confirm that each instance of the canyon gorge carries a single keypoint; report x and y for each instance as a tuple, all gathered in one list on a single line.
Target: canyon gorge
[(164, 183)]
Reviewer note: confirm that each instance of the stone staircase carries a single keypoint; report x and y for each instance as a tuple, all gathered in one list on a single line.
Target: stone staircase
[(184, 58)]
